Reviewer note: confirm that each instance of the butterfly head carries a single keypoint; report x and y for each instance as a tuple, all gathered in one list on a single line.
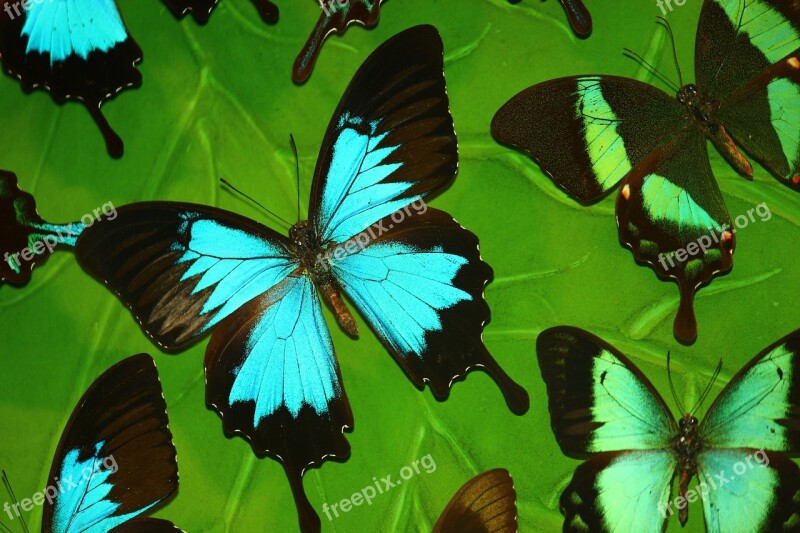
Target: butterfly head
[(689, 95), (688, 441)]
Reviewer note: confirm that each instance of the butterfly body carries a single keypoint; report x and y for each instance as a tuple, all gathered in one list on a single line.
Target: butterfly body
[(308, 249), (688, 444)]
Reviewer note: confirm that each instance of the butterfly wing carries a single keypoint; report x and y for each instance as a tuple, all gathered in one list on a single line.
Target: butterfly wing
[(760, 406), (272, 375), (146, 525), (748, 59), (599, 401), (486, 503), (183, 268), (201, 9), (336, 17), (115, 459), (748, 490), (391, 140), (74, 49), (619, 491), (420, 286), (579, 17), (588, 132), (671, 214)]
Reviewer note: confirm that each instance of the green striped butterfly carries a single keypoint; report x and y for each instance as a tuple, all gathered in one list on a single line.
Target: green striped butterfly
[(588, 133), (603, 408)]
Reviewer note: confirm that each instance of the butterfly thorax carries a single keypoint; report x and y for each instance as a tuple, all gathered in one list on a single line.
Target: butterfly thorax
[(687, 445), (702, 112), (307, 248)]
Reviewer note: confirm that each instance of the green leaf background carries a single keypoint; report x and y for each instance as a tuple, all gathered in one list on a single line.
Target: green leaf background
[(218, 101)]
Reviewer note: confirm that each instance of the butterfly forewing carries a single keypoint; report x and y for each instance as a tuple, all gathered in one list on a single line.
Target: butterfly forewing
[(747, 59), (599, 401), (183, 268), (760, 406), (587, 132), (486, 503), (391, 141), (116, 449)]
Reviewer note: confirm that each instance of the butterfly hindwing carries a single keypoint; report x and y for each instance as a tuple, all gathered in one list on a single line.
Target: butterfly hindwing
[(183, 268), (201, 9), (116, 450), (272, 374), (748, 490), (619, 491), (599, 401), (760, 406), (605, 125), (486, 503), (671, 213), (74, 49), (336, 17), (747, 58), (419, 283)]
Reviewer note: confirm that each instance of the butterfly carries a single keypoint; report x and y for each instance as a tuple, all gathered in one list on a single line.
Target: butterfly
[(486, 503), (604, 409), (74, 49), (335, 17), (115, 459), (588, 133), (415, 274), (579, 17), (201, 9)]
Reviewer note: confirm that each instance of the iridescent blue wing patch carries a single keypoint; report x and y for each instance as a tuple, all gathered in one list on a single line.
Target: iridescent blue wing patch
[(183, 268), (74, 49), (336, 17), (201, 9), (418, 279), (115, 459), (391, 140), (272, 374)]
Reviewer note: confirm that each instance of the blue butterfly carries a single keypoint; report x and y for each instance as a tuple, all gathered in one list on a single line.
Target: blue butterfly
[(414, 273), (605, 410), (115, 460)]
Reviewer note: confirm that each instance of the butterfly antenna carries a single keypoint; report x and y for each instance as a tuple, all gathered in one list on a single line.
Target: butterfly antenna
[(651, 69), (230, 186), (708, 387), (10, 491), (672, 387), (664, 22), (297, 171)]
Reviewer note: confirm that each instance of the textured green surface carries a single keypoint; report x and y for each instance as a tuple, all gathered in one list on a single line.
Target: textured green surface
[(218, 101)]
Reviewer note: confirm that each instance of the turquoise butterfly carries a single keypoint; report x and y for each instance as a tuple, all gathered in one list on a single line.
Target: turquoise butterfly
[(604, 409)]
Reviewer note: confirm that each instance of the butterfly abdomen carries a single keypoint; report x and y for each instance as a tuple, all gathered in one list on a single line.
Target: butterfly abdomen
[(687, 445)]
